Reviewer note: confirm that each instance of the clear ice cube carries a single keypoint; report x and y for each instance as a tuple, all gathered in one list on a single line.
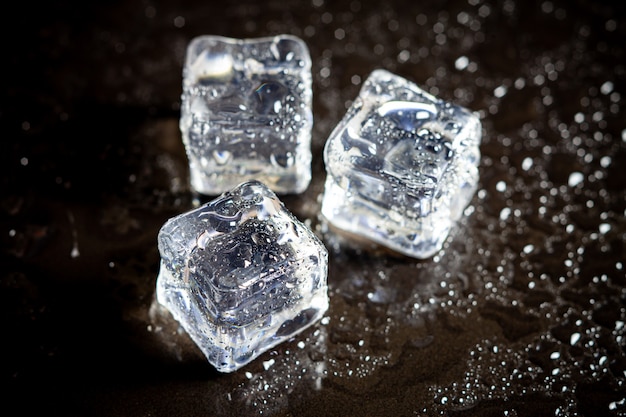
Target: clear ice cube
[(246, 113), (241, 274), (401, 166)]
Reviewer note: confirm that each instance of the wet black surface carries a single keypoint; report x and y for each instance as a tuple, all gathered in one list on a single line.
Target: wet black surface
[(521, 314)]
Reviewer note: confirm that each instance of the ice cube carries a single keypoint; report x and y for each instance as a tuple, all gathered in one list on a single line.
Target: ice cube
[(246, 113), (401, 166), (241, 274)]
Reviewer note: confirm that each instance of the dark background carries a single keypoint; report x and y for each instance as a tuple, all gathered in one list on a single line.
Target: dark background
[(521, 314)]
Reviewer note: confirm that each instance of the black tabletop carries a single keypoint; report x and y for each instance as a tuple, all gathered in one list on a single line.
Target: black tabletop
[(522, 313)]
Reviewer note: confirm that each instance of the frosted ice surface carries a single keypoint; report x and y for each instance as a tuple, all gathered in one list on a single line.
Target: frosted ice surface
[(241, 274), (246, 113), (401, 166)]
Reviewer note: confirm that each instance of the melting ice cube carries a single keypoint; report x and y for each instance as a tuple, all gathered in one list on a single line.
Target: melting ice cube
[(401, 165), (241, 274), (246, 113)]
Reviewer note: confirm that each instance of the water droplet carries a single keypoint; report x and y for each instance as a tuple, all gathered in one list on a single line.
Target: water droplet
[(527, 163), (575, 178), (605, 161), (461, 63), (268, 364), (606, 88), (500, 91)]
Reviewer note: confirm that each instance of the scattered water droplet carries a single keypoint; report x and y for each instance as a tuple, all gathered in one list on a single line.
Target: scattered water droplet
[(575, 178)]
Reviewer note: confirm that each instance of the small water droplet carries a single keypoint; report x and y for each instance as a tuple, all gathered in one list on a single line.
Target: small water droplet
[(606, 88), (575, 178), (461, 63), (268, 364)]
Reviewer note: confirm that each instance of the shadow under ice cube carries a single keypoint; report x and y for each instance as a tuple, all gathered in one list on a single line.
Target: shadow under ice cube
[(241, 274), (246, 113), (401, 166)]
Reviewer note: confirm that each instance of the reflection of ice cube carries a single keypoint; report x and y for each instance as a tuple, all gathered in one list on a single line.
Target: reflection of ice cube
[(241, 275), (246, 113), (402, 166)]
